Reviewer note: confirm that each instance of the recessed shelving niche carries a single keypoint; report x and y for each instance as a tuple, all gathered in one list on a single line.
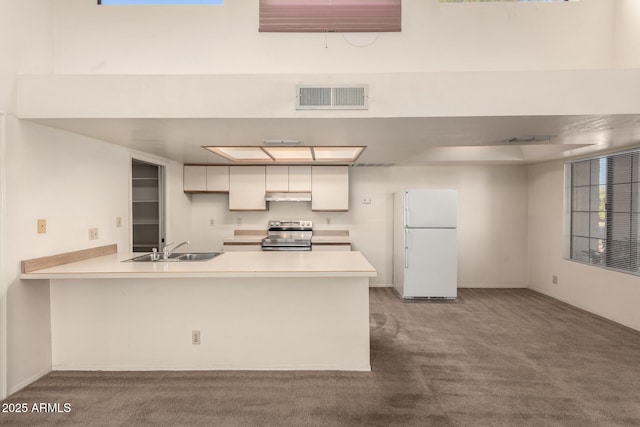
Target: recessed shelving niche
[(147, 206)]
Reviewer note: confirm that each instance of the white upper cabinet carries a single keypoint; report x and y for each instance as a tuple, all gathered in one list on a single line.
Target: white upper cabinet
[(330, 188), (299, 178), (218, 179), (203, 179), (277, 178), (247, 186), (288, 178), (195, 179)]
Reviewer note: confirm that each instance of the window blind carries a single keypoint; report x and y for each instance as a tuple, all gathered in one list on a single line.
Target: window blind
[(605, 208), (329, 16)]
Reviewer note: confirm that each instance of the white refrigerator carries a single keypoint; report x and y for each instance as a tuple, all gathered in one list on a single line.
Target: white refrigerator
[(425, 256)]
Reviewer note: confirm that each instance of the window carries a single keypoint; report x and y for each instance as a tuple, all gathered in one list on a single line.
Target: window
[(494, 1), (605, 201), (157, 2), (319, 16)]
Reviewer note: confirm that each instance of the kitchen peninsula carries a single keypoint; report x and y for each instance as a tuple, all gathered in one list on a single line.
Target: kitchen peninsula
[(240, 310)]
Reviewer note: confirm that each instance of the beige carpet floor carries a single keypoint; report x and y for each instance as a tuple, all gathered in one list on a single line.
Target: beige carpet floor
[(493, 358)]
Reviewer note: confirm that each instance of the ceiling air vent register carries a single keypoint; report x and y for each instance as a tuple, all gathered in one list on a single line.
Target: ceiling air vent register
[(320, 97)]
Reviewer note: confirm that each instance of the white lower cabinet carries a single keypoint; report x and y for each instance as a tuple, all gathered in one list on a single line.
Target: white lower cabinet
[(247, 188)]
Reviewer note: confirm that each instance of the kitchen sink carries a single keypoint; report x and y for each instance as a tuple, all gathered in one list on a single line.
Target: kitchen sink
[(196, 256), (175, 257)]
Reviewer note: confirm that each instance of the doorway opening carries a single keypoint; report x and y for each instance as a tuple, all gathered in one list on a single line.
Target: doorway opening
[(147, 206)]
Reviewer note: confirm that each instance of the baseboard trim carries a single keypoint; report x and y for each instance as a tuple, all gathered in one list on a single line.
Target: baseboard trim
[(28, 381), (492, 286), (586, 310), (472, 286), (145, 368)]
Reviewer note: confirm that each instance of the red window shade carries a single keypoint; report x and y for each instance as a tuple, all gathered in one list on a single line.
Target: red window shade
[(318, 16)]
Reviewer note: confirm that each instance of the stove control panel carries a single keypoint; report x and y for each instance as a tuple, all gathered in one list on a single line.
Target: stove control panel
[(290, 223)]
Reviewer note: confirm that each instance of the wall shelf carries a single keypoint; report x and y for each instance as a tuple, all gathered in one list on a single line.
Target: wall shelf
[(146, 201)]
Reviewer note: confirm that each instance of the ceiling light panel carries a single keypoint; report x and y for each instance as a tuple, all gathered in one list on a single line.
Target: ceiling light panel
[(241, 154), (280, 154), (337, 154), (290, 154)]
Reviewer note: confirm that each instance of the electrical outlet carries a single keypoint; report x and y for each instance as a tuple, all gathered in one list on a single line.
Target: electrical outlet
[(328, 220), (212, 222), (195, 337), (119, 221), (42, 226), (93, 234), (554, 279), (366, 200)]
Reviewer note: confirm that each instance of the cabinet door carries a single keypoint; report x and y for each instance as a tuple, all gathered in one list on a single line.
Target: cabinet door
[(218, 178), (299, 178), (330, 188), (247, 188), (277, 178), (195, 179)]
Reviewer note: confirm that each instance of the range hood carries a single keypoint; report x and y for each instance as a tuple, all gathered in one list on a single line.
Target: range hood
[(288, 197)]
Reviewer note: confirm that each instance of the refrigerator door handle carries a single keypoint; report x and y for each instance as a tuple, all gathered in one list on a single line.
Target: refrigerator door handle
[(406, 248), (406, 209)]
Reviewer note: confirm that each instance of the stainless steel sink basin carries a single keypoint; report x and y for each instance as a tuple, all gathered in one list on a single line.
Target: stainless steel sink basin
[(176, 257), (196, 256)]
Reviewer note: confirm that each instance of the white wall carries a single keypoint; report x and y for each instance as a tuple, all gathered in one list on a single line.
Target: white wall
[(75, 183), (627, 34), (607, 293), (492, 223), (26, 45), (435, 37)]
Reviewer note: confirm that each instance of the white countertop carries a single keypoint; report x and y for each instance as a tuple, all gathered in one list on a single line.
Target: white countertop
[(228, 264), (257, 240), (243, 240)]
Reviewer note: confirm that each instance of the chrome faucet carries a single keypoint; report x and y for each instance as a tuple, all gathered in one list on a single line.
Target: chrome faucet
[(166, 252)]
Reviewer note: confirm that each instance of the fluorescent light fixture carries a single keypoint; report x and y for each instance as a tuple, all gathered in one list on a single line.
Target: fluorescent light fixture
[(245, 154), (337, 154), (292, 154), (286, 154)]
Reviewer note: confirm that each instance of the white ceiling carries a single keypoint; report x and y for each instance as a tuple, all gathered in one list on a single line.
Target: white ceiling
[(401, 141)]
